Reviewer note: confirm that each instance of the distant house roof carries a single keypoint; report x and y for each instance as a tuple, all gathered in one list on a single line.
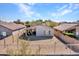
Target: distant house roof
[(34, 27), (12, 26), (65, 26)]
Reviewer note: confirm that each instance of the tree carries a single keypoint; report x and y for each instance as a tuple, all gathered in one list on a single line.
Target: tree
[(77, 20), (27, 24), (40, 21), (47, 21), (18, 21), (52, 24)]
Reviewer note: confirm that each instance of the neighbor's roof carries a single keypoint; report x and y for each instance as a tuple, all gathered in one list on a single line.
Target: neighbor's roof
[(34, 27), (64, 27), (12, 26)]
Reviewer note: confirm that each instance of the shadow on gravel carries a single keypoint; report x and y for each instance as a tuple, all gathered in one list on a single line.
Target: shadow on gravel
[(35, 38)]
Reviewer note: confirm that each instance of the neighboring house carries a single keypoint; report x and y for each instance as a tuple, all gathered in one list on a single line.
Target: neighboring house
[(71, 41), (72, 28), (7, 29), (42, 30)]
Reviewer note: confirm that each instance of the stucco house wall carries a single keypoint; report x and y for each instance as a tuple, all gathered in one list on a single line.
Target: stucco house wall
[(44, 31), (77, 31), (4, 29), (16, 34)]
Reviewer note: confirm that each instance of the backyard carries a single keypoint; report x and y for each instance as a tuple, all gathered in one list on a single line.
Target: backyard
[(50, 46)]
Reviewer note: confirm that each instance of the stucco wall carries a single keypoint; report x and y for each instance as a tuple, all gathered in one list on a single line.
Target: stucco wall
[(2, 29), (44, 31), (77, 31)]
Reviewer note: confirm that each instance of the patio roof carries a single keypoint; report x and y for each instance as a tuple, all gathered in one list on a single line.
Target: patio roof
[(64, 27), (34, 27)]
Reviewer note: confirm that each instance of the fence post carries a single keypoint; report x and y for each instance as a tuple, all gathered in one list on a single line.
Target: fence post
[(54, 47), (18, 38), (4, 43), (71, 48), (12, 38)]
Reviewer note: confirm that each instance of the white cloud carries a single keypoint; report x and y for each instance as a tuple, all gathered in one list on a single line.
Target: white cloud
[(70, 8), (27, 10), (62, 7), (54, 14), (76, 6), (66, 11), (62, 13)]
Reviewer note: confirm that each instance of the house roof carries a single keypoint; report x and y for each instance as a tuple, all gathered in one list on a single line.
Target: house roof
[(65, 26), (12, 26), (34, 27)]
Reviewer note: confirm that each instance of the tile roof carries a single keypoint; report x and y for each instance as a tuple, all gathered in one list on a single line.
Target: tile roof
[(34, 27), (65, 26), (12, 26)]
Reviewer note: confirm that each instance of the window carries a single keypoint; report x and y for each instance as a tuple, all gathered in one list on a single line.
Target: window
[(49, 32), (0, 33), (44, 32), (4, 33)]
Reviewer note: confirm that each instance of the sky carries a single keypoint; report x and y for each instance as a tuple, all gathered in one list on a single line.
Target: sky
[(32, 11)]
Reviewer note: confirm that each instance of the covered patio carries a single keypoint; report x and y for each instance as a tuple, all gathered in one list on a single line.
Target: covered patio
[(31, 31)]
